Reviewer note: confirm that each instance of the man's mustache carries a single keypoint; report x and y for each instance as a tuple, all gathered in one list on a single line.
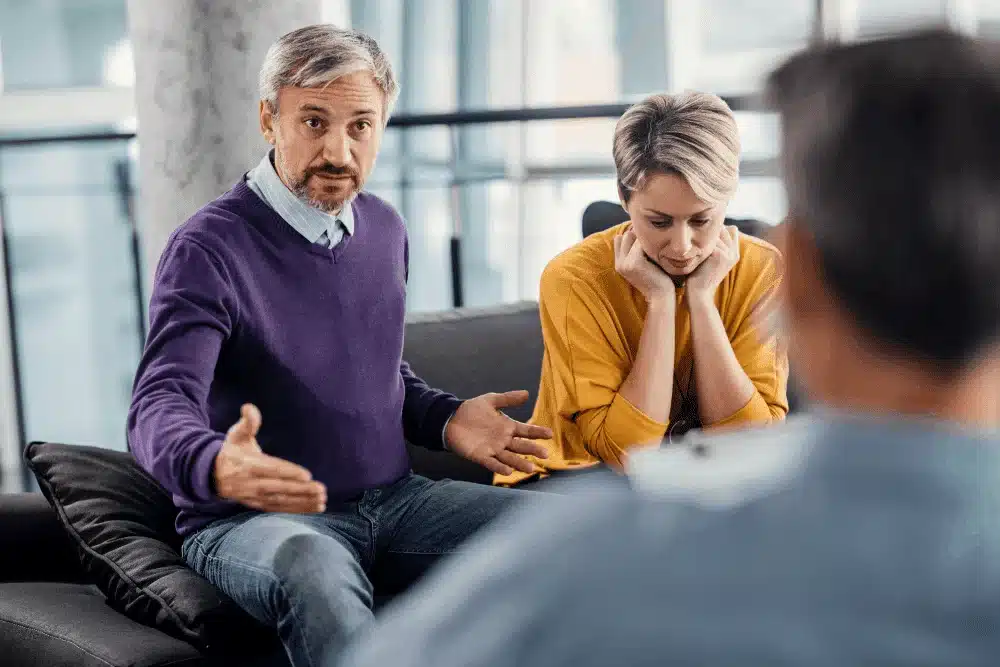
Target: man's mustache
[(331, 170)]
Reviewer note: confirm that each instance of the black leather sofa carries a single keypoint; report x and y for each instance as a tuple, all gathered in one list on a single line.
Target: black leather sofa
[(51, 617)]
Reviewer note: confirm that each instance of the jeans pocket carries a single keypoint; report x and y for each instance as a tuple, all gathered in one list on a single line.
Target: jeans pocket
[(195, 548)]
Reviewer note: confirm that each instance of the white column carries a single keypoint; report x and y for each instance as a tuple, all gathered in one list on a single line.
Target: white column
[(196, 65), (963, 15), (838, 20)]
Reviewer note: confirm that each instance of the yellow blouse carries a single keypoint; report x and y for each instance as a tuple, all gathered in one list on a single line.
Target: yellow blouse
[(591, 322)]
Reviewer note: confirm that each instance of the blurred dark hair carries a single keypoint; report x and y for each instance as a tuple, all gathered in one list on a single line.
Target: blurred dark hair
[(891, 161)]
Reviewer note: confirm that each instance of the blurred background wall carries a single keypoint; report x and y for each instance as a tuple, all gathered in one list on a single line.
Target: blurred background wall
[(503, 137)]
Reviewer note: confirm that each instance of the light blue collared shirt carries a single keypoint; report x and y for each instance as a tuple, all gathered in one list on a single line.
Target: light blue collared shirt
[(327, 229)]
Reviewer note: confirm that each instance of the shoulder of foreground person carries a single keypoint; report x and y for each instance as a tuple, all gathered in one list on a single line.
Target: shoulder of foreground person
[(582, 578), (760, 563)]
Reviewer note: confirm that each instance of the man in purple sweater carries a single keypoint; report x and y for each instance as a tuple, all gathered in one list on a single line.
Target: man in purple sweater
[(285, 298)]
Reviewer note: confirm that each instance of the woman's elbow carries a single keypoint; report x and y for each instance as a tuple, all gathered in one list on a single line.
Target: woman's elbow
[(604, 449), (778, 412)]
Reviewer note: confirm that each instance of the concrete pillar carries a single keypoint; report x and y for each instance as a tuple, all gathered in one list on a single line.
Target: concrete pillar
[(196, 66)]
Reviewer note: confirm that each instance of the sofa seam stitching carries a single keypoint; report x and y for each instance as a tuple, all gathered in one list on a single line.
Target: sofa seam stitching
[(67, 640), (194, 661)]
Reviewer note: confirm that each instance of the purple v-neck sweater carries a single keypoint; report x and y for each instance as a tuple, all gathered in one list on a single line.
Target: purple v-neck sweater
[(244, 309)]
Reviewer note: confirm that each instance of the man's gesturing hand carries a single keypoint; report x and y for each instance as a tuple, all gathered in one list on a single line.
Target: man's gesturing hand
[(481, 433), (245, 474)]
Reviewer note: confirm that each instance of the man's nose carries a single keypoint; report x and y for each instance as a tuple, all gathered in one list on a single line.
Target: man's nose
[(337, 149)]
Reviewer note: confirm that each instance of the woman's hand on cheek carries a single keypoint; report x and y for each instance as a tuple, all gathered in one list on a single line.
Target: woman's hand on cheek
[(632, 264), (704, 280)]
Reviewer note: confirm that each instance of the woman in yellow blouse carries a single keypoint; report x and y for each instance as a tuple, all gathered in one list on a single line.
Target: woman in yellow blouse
[(651, 327)]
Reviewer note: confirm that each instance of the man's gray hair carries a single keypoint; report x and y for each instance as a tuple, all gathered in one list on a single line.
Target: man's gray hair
[(317, 55), (891, 166), (691, 134)]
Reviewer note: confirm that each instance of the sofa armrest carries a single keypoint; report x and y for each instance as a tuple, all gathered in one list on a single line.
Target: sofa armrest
[(33, 544)]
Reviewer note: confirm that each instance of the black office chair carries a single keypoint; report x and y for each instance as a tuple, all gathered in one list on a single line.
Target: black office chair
[(601, 215)]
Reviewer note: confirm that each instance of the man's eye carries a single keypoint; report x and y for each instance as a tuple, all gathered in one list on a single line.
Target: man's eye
[(363, 125), (314, 123)]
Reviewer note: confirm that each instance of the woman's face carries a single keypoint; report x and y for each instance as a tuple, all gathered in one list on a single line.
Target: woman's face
[(675, 229)]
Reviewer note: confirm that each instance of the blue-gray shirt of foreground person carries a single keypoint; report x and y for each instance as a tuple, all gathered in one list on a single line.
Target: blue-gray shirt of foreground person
[(830, 540)]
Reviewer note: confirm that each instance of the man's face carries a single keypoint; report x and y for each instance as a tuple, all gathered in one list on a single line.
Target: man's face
[(326, 139), (674, 228)]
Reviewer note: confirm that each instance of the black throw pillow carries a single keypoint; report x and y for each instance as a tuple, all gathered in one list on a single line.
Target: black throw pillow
[(122, 522)]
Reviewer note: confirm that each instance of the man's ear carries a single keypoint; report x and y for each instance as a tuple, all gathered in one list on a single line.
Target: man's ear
[(267, 120)]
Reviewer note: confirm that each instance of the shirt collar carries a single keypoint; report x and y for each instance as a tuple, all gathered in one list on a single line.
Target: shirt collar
[(307, 220)]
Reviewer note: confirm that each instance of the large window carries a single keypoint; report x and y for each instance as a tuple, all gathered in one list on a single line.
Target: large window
[(515, 192), (47, 44), (76, 318)]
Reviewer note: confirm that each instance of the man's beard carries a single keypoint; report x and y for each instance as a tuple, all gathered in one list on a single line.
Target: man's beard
[(299, 185)]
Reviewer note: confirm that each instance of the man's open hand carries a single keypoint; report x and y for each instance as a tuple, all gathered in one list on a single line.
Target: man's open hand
[(481, 433), (245, 474)]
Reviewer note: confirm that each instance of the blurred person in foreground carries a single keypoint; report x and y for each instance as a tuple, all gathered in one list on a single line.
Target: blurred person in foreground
[(272, 399), (648, 325), (862, 534)]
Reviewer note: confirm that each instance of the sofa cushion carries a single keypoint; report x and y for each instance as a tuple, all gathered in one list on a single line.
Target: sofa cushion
[(474, 351), (122, 522), (469, 352), (69, 625)]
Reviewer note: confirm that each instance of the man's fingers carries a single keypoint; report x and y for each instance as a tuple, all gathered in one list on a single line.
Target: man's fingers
[(285, 505), (247, 427), (293, 505), (532, 432), (511, 459), (284, 487), (495, 466), (528, 448), (279, 495), (266, 465), (510, 399)]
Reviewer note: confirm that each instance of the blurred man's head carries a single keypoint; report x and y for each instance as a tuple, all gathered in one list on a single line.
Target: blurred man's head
[(891, 159), (325, 96)]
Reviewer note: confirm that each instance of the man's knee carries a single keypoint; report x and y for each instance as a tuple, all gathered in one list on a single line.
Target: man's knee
[(311, 565), (274, 566)]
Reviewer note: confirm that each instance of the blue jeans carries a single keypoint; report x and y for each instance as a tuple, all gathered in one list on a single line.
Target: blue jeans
[(311, 576)]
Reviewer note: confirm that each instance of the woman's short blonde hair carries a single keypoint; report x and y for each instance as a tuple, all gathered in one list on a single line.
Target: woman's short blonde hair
[(691, 134)]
